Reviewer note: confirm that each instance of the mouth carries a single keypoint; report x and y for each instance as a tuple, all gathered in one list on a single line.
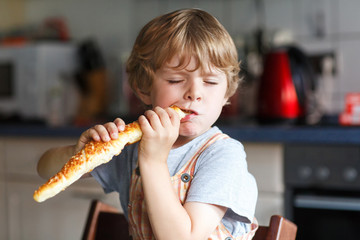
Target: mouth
[(188, 111), (189, 114)]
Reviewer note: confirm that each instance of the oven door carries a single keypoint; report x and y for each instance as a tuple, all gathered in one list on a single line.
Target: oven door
[(327, 216)]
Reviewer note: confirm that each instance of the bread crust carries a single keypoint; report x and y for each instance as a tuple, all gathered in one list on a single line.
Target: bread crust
[(92, 155)]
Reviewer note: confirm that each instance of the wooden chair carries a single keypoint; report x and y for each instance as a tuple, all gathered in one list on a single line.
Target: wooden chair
[(279, 228), (106, 222)]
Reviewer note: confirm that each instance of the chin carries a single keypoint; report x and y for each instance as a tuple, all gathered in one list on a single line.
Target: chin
[(191, 131), (188, 132)]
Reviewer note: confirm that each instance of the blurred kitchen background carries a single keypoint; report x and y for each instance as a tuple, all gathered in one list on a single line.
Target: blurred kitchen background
[(326, 30), (62, 70)]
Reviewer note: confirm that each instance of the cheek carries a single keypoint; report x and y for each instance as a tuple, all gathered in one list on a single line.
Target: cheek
[(163, 97), (221, 96)]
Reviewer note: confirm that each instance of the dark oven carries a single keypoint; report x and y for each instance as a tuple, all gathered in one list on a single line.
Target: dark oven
[(322, 190)]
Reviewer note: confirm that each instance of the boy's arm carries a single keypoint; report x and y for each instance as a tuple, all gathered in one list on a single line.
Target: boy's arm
[(168, 218), (53, 160)]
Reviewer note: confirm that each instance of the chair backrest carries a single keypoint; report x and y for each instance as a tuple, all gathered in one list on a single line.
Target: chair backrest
[(279, 228), (105, 222)]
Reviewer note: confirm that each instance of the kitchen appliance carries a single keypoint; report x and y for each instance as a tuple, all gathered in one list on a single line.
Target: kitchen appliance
[(32, 79), (351, 114), (92, 80), (322, 190), (285, 82)]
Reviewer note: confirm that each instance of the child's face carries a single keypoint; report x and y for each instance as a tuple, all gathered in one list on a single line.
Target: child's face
[(201, 91)]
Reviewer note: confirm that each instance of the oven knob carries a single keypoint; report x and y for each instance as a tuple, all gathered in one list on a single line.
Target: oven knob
[(304, 172), (350, 174), (322, 173)]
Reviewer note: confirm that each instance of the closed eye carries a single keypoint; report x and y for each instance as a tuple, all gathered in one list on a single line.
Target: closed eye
[(211, 82), (174, 81)]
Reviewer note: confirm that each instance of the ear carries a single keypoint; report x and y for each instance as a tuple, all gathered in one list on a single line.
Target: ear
[(225, 101), (144, 97)]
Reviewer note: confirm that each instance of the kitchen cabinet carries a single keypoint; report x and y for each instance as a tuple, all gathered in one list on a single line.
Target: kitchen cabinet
[(3, 212), (61, 217), (265, 162)]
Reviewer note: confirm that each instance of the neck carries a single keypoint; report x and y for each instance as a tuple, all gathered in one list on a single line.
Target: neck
[(181, 141)]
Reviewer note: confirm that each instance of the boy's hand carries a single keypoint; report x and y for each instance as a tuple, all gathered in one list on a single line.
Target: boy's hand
[(99, 132), (160, 129)]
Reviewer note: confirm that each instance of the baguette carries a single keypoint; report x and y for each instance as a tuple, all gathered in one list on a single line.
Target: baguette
[(92, 155)]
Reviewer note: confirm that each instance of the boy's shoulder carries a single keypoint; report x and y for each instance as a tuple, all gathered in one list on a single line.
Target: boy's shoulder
[(224, 146), (227, 146), (226, 138), (221, 139), (225, 153)]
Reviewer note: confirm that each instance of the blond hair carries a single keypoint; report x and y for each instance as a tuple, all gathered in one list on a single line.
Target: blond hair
[(185, 33)]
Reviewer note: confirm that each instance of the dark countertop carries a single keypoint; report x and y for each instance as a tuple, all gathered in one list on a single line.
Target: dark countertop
[(319, 135), (280, 134), (29, 130)]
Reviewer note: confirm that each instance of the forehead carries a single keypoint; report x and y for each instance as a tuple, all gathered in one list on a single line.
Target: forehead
[(190, 64)]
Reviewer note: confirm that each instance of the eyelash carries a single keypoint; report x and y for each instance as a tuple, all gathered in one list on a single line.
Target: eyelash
[(179, 81), (174, 81), (211, 82)]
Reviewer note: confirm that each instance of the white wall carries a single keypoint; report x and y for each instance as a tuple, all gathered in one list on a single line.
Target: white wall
[(115, 23)]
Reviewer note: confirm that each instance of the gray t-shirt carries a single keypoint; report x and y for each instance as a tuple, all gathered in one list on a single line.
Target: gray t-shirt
[(221, 177)]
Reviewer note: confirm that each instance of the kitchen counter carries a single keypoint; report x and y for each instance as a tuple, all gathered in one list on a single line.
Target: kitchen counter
[(306, 134), (281, 134)]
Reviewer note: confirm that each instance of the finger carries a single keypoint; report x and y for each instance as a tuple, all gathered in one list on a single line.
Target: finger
[(174, 117), (163, 116), (120, 124), (102, 132), (91, 134), (88, 135), (112, 130), (153, 119), (144, 124)]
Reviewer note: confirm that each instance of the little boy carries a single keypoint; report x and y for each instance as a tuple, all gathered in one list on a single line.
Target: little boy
[(185, 179)]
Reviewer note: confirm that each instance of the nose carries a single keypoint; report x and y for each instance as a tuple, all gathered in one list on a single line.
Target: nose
[(193, 92)]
